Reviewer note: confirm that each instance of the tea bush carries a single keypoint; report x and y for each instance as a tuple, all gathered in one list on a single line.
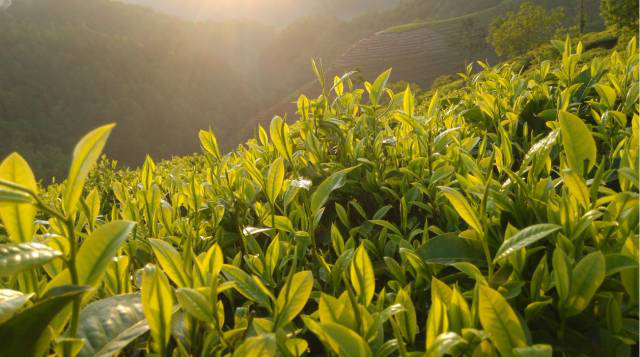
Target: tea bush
[(500, 218)]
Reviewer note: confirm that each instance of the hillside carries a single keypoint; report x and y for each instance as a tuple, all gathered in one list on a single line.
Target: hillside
[(497, 218), (69, 65)]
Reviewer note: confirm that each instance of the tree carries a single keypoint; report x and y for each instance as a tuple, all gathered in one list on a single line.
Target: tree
[(620, 14), (517, 33)]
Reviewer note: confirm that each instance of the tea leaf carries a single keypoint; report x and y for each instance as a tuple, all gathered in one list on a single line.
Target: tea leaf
[(362, 277), (27, 333), (17, 216), (345, 342), (577, 141), (586, 278), (108, 325), (293, 297), (10, 302), (157, 304), (462, 207), (85, 155), (499, 320), (15, 258), (275, 179), (170, 261), (525, 238)]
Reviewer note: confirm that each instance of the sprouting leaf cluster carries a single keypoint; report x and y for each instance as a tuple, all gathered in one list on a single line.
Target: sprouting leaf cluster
[(500, 218)]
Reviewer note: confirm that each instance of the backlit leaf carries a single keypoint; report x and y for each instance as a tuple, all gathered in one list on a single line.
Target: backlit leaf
[(17, 217), (499, 320), (85, 155)]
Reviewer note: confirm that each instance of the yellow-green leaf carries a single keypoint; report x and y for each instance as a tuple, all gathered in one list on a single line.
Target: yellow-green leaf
[(499, 320), (577, 141), (18, 217), (462, 207), (15, 258), (195, 304), (157, 304), (98, 250), (275, 178), (577, 187), (251, 288), (362, 276), (437, 320), (170, 261), (345, 342), (293, 297), (85, 155), (586, 278), (258, 346)]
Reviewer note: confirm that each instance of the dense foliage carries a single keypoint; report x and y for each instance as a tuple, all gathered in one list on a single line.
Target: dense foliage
[(499, 218), (519, 32), (622, 14)]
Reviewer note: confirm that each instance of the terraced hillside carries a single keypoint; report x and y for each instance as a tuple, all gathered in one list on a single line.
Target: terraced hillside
[(422, 54)]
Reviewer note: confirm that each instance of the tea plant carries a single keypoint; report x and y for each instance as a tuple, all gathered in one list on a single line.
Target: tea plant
[(497, 219)]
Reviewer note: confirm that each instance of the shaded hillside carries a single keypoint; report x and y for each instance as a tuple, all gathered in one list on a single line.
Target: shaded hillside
[(70, 65)]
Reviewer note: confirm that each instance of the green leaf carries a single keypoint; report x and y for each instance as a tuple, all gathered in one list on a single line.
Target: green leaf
[(586, 278), (525, 238), (293, 297), (279, 131), (10, 302), (157, 304), (108, 325), (577, 187), (344, 341), (407, 320), (209, 143), (258, 346), (11, 197), (386, 224), (607, 95), (437, 319), (195, 304), (408, 102), (379, 86), (85, 155), (619, 262), (98, 250), (17, 217), (170, 261), (246, 285), (445, 344), (27, 333), (449, 249), (462, 207), (275, 179), (330, 184), (15, 258), (362, 276), (499, 320), (534, 351), (577, 141), (459, 313), (561, 274)]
